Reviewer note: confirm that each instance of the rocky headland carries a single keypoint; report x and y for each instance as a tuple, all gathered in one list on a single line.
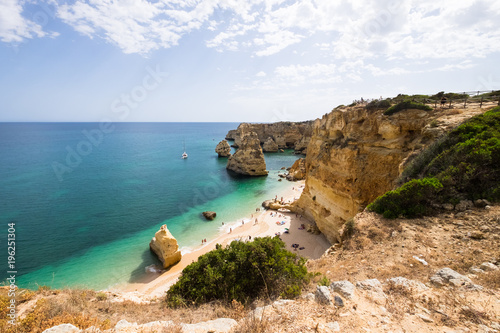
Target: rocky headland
[(284, 135), (165, 246), (248, 160)]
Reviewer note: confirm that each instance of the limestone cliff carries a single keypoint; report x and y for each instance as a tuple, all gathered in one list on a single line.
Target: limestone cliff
[(353, 157), (223, 149), (249, 159), (287, 135), (165, 246)]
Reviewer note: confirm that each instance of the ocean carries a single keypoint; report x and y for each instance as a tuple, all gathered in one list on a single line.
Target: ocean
[(86, 198)]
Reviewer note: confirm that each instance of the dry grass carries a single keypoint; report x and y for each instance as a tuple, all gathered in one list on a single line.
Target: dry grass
[(86, 308), (400, 300), (255, 325), (490, 279)]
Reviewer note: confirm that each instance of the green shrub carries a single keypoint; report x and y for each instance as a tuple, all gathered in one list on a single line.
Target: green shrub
[(349, 229), (406, 105), (449, 96), (410, 200), (243, 272), (101, 296), (324, 281), (378, 104)]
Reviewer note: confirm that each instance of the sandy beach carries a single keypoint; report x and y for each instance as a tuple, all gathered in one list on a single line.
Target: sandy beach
[(262, 223)]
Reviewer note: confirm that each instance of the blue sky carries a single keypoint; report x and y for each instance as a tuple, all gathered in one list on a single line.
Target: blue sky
[(236, 60)]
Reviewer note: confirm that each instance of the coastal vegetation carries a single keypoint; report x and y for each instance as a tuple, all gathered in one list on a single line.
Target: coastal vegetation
[(405, 105), (463, 165), (243, 271)]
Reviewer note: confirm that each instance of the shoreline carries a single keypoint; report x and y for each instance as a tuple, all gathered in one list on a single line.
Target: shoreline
[(313, 246)]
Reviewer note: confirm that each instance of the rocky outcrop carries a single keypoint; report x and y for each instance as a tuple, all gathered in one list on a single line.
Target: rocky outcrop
[(297, 171), (223, 149), (165, 246), (249, 158), (270, 146), (276, 205), (231, 135), (209, 215), (353, 157), (287, 135)]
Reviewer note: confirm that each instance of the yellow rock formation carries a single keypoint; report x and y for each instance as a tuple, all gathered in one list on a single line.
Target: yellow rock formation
[(165, 246)]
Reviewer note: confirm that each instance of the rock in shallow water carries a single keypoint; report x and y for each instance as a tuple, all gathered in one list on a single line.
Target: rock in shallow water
[(209, 215), (165, 246)]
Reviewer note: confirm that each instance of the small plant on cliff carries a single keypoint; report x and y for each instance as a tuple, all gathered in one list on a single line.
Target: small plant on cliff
[(243, 272), (405, 105)]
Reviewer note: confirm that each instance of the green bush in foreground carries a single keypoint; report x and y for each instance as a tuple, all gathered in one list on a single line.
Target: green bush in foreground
[(463, 165), (241, 271), (406, 105)]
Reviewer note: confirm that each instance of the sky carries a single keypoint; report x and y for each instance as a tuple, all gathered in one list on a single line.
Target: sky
[(236, 60)]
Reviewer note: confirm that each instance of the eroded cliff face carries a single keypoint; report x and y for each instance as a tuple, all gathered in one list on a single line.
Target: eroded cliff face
[(287, 135), (353, 157)]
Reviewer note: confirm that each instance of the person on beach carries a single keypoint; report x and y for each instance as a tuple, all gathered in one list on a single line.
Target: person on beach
[(230, 230)]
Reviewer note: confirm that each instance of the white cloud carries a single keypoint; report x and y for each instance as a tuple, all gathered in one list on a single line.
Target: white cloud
[(344, 30), (13, 26), (261, 74)]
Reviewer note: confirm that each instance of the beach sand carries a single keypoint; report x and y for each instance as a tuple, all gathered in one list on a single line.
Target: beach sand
[(156, 284)]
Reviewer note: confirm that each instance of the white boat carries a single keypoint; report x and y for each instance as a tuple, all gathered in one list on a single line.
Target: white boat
[(184, 154)]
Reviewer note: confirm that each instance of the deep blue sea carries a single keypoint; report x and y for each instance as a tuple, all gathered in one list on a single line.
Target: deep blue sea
[(87, 198)]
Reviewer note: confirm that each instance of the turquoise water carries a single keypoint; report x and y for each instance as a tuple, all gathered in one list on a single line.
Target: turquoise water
[(86, 203)]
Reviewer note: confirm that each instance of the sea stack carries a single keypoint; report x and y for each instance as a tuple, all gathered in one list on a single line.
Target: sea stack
[(249, 158), (223, 149), (270, 146), (165, 246)]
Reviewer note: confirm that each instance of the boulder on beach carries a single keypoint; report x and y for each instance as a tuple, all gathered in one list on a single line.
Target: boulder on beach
[(209, 215), (223, 149), (165, 246), (276, 205)]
